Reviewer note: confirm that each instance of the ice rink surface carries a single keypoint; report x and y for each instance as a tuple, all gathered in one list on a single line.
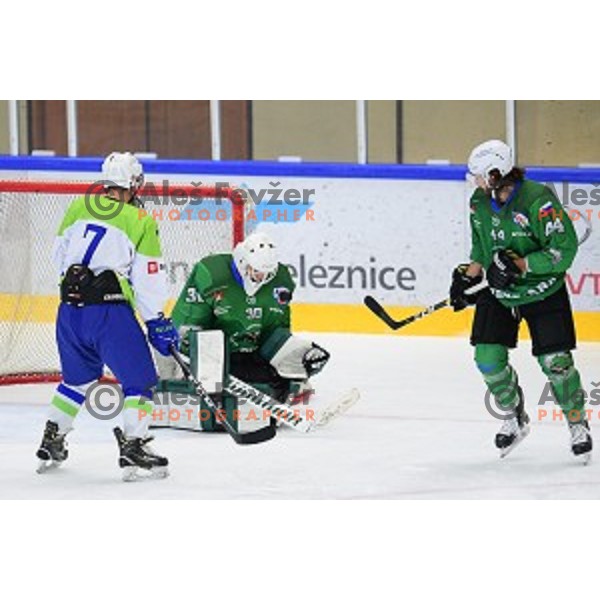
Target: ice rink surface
[(420, 430)]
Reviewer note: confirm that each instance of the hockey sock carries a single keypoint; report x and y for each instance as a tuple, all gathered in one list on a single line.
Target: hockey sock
[(66, 404), (564, 378), (137, 411), (499, 376)]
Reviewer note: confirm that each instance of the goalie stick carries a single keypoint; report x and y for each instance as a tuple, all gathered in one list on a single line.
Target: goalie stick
[(287, 415), (253, 437), (376, 308)]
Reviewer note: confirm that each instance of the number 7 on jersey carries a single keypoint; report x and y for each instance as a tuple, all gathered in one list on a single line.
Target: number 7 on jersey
[(98, 233)]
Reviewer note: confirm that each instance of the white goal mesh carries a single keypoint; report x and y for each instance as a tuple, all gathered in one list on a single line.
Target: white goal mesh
[(209, 221)]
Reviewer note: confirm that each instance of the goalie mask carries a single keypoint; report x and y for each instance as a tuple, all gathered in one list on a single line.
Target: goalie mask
[(256, 261), (123, 170), (490, 162)]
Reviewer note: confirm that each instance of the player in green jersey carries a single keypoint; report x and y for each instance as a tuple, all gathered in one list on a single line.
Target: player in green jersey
[(525, 245), (247, 295)]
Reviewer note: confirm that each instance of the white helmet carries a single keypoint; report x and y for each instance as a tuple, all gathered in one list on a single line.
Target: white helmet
[(256, 261), (123, 170), (493, 154)]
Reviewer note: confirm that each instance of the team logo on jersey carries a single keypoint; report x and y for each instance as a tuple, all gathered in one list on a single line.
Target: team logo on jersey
[(282, 294), (520, 219), (495, 221), (153, 267)]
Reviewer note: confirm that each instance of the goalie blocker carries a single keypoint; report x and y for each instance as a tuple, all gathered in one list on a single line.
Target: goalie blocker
[(280, 369)]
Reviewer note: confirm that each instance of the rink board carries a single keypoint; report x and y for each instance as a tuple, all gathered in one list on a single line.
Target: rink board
[(391, 231), (40, 311)]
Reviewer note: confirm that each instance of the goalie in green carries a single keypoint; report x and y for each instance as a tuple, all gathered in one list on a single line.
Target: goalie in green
[(247, 295)]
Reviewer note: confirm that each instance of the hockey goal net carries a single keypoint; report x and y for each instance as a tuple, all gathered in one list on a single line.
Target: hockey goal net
[(193, 222)]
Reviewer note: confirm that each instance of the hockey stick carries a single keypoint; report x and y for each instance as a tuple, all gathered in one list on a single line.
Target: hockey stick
[(253, 437), (376, 308), (289, 416)]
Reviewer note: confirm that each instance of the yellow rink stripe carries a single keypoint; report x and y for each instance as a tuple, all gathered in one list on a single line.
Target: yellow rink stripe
[(347, 318), (354, 318)]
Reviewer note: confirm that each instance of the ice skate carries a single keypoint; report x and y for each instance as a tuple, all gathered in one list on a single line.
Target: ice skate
[(581, 441), (53, 449), (135, 454), (514, 429)]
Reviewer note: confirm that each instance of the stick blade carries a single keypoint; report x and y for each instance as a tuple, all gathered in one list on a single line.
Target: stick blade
[(255, 437), (375, 307)]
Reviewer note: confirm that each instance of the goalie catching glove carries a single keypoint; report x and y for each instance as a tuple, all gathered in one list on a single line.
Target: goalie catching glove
[(461, 282), (293, 357)]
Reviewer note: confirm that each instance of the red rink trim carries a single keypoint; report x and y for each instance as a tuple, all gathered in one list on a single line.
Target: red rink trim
[(24, 378)]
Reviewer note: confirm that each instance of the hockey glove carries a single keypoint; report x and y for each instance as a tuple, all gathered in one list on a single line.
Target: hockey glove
[(503, 271), (293, 357), (162, 334), (460, 283), (315, 359)]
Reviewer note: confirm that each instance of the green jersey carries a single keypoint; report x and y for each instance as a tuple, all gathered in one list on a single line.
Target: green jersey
[(534, 225), (214, 298)]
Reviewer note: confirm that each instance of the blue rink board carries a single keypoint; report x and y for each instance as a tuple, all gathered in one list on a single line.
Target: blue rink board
[(288, 169)]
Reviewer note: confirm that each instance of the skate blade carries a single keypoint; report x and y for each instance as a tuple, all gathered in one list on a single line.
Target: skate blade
[(45, 466), (131, 474), (338, 408), (584, 459), (522, 435)]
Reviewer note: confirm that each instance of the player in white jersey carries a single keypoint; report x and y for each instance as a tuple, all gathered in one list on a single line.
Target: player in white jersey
[(110, 263)]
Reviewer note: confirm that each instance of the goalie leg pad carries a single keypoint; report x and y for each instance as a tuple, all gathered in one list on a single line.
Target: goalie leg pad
[(207, 359), (178, 406)]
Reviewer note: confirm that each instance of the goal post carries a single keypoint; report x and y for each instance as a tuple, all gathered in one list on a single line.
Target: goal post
[(193, 221)]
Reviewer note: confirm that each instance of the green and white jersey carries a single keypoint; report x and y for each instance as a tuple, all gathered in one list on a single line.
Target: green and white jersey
[(126, 243), (535, 226), (214, 298)]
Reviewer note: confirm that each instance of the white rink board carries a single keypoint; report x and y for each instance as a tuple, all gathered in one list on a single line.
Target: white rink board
[(382, 226)]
